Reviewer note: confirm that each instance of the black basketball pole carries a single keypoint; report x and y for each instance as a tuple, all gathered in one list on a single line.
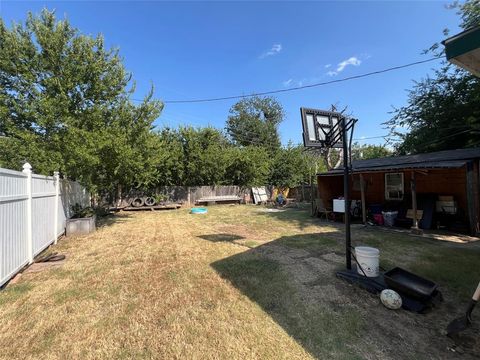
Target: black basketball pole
[(346, 194)]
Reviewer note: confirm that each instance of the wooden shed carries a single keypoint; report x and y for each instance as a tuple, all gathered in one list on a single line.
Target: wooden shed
[(444, 186)]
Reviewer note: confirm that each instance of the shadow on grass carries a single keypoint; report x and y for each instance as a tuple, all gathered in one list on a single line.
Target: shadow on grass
[(299, 217), (221, 237), (112, 219), (280, 276), (260, 273)]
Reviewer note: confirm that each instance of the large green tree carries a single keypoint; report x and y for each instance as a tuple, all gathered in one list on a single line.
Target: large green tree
[(65, 105), (247, 166), (366, 151), (203, 155), (292, 166), (191, 156), (168, 161), (443, 110), (254, 121)]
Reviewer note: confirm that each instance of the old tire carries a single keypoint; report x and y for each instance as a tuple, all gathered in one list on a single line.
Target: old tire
[(137, 202), (149, 201)]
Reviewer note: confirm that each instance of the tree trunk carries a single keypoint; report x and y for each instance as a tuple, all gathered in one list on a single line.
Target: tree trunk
[(119, 195)]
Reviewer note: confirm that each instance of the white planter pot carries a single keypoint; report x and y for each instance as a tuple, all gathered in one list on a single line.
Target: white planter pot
[(80, 226)]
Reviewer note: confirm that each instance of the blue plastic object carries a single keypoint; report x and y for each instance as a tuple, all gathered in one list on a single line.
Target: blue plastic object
[(376, 208), (200, 210)]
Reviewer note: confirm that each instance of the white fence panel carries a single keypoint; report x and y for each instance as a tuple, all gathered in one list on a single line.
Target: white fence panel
[(43, 212), (33, 214), (62, 215), (13, 214)]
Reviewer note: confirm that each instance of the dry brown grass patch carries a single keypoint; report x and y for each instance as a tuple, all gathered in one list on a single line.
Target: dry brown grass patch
[(234, 284)]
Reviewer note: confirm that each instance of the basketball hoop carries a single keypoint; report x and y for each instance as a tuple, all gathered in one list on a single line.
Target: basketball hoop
[(325, 130)]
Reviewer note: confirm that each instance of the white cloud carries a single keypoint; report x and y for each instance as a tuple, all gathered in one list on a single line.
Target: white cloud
[(354, 61), (276, 48), (351, 61), (327, 66), (288, 82)]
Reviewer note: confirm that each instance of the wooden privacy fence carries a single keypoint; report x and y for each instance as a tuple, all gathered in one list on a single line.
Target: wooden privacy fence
[(33, 213), (190, 194), (302, 192), (196, 193)]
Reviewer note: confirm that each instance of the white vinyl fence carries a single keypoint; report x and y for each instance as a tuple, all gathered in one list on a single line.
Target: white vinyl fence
[(33, 213)]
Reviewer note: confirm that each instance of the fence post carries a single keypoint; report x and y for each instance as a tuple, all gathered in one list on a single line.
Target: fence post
[(27, 169), (56, 176)]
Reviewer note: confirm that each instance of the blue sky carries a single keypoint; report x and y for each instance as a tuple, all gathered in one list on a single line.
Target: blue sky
[(212, 49)]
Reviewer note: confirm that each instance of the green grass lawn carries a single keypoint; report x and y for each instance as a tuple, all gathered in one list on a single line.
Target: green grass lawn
[(236, 283)]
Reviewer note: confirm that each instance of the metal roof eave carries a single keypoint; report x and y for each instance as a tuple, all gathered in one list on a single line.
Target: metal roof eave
[(464, 50), (423, 166), (462, 43)]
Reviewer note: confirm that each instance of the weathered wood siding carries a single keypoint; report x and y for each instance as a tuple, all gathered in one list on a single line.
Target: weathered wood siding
[(443, 182), (437, 181)]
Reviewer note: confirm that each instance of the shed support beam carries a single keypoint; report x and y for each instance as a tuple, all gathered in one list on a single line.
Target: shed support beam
[(471, 203), (362, 194), (414, 200), (413, 185)]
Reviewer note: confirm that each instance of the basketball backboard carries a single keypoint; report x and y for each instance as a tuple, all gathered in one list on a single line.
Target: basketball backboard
[(321, 128)]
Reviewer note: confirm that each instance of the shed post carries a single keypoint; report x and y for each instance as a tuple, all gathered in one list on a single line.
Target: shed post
[(312, 200), (189, 195), (471, 204), (413, 186), (364, 205), (27, 169)]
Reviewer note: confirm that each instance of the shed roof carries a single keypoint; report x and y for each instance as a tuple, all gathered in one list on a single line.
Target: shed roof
[(434, 160)]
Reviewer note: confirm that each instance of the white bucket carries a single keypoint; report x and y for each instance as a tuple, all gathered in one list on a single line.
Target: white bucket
[(368, 259)]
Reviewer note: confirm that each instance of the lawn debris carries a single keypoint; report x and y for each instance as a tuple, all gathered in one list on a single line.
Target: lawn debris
[(51, 258)]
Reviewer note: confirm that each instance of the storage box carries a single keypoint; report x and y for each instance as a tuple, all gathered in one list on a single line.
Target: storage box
[(339, 205), (448, 207), (378, 219), (445, 197), (375, 208), (389, 217)]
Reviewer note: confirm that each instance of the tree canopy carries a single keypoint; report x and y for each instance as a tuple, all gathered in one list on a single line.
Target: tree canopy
[(442, 111), (255, 121), (364, 152), (203, 156), (65, 105)]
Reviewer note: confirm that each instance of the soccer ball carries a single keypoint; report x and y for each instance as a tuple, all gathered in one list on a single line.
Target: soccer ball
[(391, 299)]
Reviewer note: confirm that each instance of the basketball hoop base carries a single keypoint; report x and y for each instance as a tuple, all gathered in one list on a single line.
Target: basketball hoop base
[(372, 285)]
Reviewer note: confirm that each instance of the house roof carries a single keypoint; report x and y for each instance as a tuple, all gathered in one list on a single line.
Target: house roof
[(463, 49), (435, 160)]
